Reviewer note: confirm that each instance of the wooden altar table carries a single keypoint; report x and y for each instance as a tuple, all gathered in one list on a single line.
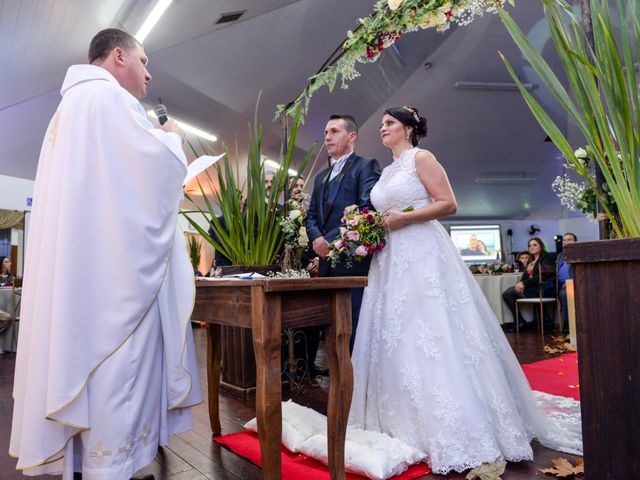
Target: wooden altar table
[(267, 306)]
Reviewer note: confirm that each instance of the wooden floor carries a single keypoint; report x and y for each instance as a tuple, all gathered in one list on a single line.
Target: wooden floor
[(193, 456)]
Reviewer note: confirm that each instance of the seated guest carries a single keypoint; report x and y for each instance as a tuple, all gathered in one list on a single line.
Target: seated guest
[(523, 259), (529, 285), (564, 274), (6, 277)]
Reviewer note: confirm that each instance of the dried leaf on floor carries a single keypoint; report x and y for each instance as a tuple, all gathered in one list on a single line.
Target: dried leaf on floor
[(564, 468), (487, 471), (560, 345)]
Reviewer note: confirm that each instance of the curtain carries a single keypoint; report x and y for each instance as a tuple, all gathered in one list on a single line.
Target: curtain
[(11, 219)]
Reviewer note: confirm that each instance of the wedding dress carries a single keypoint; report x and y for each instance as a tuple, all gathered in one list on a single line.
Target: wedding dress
[(432, 366)]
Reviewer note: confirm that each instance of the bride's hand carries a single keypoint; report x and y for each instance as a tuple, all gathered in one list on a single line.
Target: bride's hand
[(395, 220)]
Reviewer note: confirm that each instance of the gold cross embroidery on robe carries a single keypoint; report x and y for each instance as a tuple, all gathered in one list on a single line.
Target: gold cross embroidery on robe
[(127, 447), (99, 453), (146, 432), (53, 129)]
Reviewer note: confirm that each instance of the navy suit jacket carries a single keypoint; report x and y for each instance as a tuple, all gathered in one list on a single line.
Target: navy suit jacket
[(357, 178)]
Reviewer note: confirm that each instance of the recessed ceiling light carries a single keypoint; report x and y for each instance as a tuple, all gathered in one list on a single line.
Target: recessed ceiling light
[(495, 86), (189, 128), (505, 180), (156, 12), (274, 164)]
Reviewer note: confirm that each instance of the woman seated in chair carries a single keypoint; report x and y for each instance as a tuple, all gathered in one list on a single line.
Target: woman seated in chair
[(539, 276), (6, 276)]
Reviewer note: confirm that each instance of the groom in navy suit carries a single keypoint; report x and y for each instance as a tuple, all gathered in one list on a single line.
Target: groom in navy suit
[(348, 181)]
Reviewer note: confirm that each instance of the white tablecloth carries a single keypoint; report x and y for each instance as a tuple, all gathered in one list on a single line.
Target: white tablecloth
[(7, 297), (492, 286)]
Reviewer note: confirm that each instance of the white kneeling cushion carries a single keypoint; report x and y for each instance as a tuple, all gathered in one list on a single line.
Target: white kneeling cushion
[(298, 424), (371, 454)]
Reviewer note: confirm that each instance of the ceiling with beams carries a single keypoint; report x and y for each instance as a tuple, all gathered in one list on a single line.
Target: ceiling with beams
[(211, 75)]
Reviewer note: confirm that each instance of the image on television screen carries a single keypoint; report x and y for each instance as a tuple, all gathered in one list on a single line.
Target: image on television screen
[(477, 243)]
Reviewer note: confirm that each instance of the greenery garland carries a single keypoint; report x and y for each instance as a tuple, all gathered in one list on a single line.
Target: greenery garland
[(390, 20)]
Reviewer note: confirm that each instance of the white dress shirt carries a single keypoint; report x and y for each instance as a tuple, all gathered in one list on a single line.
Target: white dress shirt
[(338, 165)]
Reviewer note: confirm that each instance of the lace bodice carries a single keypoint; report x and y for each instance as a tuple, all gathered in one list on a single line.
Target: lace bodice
[(399, 186)]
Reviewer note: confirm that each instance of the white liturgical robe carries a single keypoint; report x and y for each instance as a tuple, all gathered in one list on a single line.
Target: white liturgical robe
[(106, 364)]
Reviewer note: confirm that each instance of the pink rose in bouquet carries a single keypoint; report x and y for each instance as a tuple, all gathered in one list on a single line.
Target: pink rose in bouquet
[(361, 235)]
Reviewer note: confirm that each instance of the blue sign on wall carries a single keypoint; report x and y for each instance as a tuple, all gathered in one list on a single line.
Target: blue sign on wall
[(29, 202)]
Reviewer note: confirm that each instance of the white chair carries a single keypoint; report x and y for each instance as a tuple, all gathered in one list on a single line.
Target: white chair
[(540, 300)]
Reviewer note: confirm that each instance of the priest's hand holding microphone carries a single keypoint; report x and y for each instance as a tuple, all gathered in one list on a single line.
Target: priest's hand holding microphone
[(167, 124)]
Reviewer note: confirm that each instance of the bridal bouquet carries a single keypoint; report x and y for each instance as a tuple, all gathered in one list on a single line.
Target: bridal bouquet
[(361, 236)]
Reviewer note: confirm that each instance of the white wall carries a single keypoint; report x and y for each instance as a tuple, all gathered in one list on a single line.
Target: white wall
[(14, 193), (586, 230), (202, 221)]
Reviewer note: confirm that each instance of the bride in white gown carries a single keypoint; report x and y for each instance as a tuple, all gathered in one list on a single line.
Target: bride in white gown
[(432, 366)]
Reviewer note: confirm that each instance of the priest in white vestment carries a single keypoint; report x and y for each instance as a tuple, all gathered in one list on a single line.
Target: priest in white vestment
[(106, 367)]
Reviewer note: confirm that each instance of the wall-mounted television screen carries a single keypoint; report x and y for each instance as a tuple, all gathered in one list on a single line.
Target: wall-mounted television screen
[(477, 243)]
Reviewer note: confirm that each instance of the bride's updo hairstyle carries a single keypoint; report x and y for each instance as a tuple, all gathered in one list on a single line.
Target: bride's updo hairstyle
[(410, 117)]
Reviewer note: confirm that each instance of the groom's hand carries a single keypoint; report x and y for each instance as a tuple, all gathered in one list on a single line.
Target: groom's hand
[(321, 247)]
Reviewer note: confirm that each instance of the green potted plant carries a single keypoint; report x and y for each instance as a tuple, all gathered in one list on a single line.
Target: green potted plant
[(193, 243), (603, 100), (245, 219), (246, 223)]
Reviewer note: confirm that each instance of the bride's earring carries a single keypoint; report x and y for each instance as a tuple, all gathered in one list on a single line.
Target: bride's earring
[(408, 136)]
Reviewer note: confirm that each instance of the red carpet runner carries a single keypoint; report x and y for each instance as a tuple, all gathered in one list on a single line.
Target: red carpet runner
[(557, 376), (296, 466)]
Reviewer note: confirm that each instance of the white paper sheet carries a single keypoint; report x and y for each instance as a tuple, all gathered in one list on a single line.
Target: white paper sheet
[(199, 165)]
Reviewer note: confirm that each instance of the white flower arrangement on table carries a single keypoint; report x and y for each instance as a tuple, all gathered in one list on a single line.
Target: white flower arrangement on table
[(293, 224)]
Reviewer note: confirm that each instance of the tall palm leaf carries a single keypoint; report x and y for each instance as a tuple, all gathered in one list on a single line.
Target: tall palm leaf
[(251, 235), (602, 97)]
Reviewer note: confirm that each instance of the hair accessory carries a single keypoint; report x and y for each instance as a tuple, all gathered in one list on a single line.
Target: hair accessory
[(414, 114)]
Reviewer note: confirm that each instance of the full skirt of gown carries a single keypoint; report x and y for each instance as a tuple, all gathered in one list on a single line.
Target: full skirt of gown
[(432, 366)]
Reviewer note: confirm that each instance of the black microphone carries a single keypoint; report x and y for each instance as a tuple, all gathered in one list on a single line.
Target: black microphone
[(161, 113)]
